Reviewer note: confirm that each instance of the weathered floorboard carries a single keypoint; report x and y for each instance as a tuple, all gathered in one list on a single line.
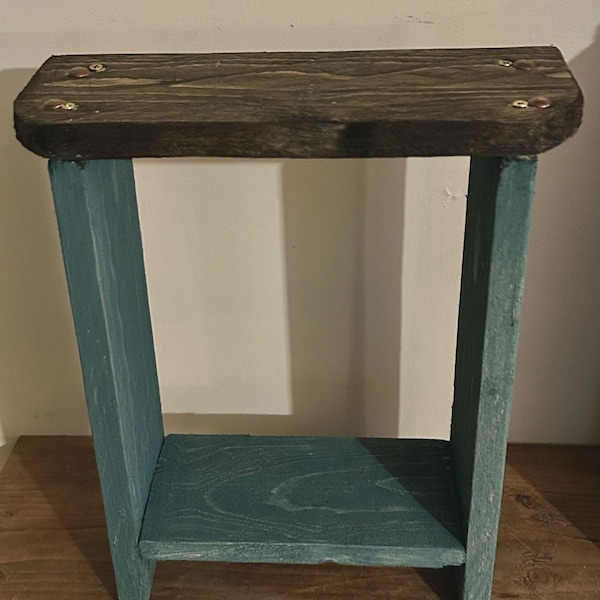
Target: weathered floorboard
[(301, 104), (99, 230), (304, 500), (496, 233)]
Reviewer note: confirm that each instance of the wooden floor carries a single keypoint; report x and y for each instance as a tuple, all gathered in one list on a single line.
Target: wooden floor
[(53, 543)]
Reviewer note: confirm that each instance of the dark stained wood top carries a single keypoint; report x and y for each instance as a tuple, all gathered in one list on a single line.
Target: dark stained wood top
[(300, 104), (54, 545)]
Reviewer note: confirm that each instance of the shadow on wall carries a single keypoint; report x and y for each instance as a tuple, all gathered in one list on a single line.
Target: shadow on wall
[(557, 389), (342, 225), (40, 383), (343, 269)]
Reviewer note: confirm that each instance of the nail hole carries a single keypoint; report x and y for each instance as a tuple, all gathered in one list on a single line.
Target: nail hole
[(523, 64), (79, 72), (58, 104), (540, 102)]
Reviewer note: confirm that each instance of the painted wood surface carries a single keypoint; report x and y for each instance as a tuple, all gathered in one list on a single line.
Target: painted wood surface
[(53, 542), (304, 500), (98, 221), (496, 232), (300, 104)]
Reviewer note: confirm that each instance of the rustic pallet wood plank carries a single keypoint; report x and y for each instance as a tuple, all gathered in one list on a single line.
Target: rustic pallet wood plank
[(99, 230), (496, 233), (300, 104), (305, 500)]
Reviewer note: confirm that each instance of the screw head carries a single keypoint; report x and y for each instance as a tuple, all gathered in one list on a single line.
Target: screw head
[(97, 67), (79, 72), (505, 63), (524, 64), (540, 102), (520, 104)]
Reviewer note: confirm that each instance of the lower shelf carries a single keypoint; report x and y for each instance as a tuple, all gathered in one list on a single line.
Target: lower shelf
[(308, 500)]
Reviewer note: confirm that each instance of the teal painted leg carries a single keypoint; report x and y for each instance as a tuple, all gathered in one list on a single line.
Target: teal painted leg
[(496, 232), (98, 221)]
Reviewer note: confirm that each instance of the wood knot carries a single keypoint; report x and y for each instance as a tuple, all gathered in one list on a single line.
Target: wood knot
[(526, 500), (540, 575)]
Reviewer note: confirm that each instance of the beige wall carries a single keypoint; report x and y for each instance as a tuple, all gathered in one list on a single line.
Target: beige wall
[(305, 297)]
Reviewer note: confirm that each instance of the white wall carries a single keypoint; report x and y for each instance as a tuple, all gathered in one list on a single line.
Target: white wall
[(346, 295)]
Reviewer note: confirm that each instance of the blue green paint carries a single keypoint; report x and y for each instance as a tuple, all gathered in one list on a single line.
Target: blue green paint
[(304, 500), (497, 226), (299, 500), (98, 221)]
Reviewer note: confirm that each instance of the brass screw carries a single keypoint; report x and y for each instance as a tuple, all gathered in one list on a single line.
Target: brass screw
[(79, 72), (58, 104), (97, 67), (540, 102), (520, 104), (505, 63), (523, 64)]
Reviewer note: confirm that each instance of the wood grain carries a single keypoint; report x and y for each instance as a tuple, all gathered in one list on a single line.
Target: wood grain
[(550, 534), (100, 235), (300, 104), (54, 546), (493, 272), (304, 500)]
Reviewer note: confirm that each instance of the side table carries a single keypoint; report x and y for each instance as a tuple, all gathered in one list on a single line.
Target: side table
[(362, 501)]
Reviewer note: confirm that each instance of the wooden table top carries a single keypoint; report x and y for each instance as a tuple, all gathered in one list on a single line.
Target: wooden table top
[(376, 103), (53, 541)]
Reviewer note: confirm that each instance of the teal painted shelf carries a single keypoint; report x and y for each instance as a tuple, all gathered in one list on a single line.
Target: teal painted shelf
[(304, 500)]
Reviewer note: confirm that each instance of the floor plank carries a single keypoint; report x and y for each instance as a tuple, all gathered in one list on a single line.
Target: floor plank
[(53, 541)]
